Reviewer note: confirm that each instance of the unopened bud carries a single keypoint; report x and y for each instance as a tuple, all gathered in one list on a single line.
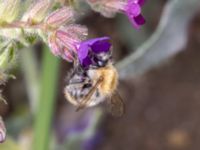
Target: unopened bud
[(9, 10), (55, 49), (37, 12), (58, 49), (60, 17), (71, 35), (2, 131), (107, 8), (68, 55), (63, 42), (7, 56)]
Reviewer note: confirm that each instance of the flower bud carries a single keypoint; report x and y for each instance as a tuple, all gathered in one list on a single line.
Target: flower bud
[(9, 10), (71, 35), (108, 8), (68, 55), (64, 41), (55, 49), (60, 17), (58, 49), (37, 12), (7, 56), (2, 131)]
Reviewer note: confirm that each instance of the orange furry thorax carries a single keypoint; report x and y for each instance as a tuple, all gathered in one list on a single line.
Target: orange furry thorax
[(110, 79)]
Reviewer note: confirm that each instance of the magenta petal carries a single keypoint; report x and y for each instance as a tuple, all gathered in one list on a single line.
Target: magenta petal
[(133, 9), (83, 51), (139, 20), (141, 2)]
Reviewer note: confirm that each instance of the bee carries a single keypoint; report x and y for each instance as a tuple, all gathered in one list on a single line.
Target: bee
[(89, 87)]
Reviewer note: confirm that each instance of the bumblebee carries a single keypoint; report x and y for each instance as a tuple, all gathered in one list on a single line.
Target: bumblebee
[(98, 83)]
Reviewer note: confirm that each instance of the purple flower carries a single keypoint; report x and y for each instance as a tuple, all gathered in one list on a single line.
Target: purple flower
[(67, 126), (133, 11), (79, 129), (92, 142), (131, 8), (92, 46)]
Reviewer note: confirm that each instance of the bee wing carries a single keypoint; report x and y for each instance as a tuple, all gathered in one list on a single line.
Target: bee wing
[(116, 105), (87, 98)]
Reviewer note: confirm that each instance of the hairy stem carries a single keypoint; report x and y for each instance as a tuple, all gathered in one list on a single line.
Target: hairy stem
[(22, 25)]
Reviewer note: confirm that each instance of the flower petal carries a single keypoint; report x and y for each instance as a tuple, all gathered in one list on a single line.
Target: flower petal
[(83, 51), (139, 20), (102, 45), (133, 9), (141, 2), (97, 45)]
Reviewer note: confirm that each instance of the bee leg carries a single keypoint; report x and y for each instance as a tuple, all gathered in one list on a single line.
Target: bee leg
[(75, 62), (87, 98)]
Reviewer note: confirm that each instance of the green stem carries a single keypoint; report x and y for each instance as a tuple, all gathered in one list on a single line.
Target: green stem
[(43, 120), (30, 69)]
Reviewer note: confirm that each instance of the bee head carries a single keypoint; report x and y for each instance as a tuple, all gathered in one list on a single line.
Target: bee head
[(95, 53), (102, 59)]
